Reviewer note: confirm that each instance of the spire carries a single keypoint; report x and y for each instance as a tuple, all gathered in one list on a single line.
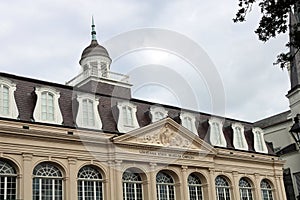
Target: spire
[(93, 29)]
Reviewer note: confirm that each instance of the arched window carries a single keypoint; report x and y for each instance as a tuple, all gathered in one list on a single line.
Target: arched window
[(90, 185), (88, 113), (132, 186), (195, 187), (8, 181), (188, 123), (47, 182), (266, 190), (47, 105), (127, 116), (4, 100), (165, 187), (245, 189), (222, 189)]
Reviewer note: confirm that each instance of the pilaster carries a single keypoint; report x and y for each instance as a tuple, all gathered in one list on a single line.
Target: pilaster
[(27, 176), (184, 185), (72, 180), (152, 180)]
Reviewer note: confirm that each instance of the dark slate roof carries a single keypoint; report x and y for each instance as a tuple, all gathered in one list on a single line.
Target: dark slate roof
[(26, 99), (94, 49), (273, 120)]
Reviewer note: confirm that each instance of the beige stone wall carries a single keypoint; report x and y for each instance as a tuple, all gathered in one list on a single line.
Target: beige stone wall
[(70, 152)]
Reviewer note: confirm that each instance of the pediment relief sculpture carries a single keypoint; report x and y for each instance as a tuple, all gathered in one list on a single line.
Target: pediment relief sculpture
[(167, 136)]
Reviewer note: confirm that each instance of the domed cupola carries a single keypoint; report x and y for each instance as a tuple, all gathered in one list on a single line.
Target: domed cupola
[(95, 72), (95, 56)]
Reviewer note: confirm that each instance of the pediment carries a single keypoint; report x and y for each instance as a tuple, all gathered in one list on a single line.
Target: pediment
[(166, 134)]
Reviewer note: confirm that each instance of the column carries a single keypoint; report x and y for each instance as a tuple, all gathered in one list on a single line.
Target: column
[(110, 180), (27, 176), (152, 190), (257, 191), (72, 180), (118, 180), (235, 186), (184, 185), (279, 192), (211, 185)]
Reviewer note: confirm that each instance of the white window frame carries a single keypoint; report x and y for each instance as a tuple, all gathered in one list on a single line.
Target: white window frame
[(122, 126), (79, 117), (167, 186), (183, 116), (9, 172), (259, 141), (37, 114), (156, 109), (135, 183), (239, 139), (83, 180), (12, 106), (216, 140)]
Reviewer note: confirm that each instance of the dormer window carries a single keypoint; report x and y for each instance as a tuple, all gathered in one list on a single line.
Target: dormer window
[(127, 117), (88, 115), (47, 108), (8, 107), (158, 113), (259, 141), (239, 140), (188, 121), (216, 133)]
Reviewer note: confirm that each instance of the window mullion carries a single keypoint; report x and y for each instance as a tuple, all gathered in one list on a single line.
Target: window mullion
[(5, 187), (40, 189), (53, 189), (135, 191), (95, 192), (83, 191)]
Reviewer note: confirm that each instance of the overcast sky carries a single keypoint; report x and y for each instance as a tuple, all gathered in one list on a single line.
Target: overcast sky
[(44, 39)]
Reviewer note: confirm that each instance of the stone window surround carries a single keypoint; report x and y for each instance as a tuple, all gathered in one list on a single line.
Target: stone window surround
[(79, 117), (37, 114), (13, 109), (235, 136), (122, 127), (155, 109), (219, 121), (184, 115), (257, 148)]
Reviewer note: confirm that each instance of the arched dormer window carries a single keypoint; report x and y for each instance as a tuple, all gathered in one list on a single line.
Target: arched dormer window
[(259, 141), (158, 113), (239, 140), (127, 117), (8, 106), (88, 115), (47, 108), (188, 121), (216, 132)]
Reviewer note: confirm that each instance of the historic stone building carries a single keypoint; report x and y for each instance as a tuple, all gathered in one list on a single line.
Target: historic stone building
[(277, 127), (89, 139)]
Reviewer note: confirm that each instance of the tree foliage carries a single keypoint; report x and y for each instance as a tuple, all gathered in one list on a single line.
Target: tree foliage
[(275, 21)]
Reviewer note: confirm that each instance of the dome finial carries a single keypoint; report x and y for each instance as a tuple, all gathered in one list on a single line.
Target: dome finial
[(93, 29)]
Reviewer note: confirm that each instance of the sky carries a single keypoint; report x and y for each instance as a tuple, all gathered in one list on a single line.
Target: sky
[(186, 53)]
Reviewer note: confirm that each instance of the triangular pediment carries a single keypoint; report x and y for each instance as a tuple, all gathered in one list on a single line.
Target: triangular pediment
[(166, 134)]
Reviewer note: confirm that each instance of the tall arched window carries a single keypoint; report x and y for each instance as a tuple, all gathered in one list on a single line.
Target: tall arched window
[(127, 116), (266, 190), (47, 182), (4, 100), (195, 187), (165, 187), (47, 105), (132, 186), (8, 182), (222, 189), (245, 189), (90, 185), (88, 112)]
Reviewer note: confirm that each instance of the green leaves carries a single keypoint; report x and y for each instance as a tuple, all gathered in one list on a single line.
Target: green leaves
[(274, 21)]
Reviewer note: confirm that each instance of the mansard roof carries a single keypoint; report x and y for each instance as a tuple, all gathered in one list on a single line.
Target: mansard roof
[(26, 100)]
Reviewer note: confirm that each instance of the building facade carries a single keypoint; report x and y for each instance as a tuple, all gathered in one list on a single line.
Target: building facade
[(89, 139)]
